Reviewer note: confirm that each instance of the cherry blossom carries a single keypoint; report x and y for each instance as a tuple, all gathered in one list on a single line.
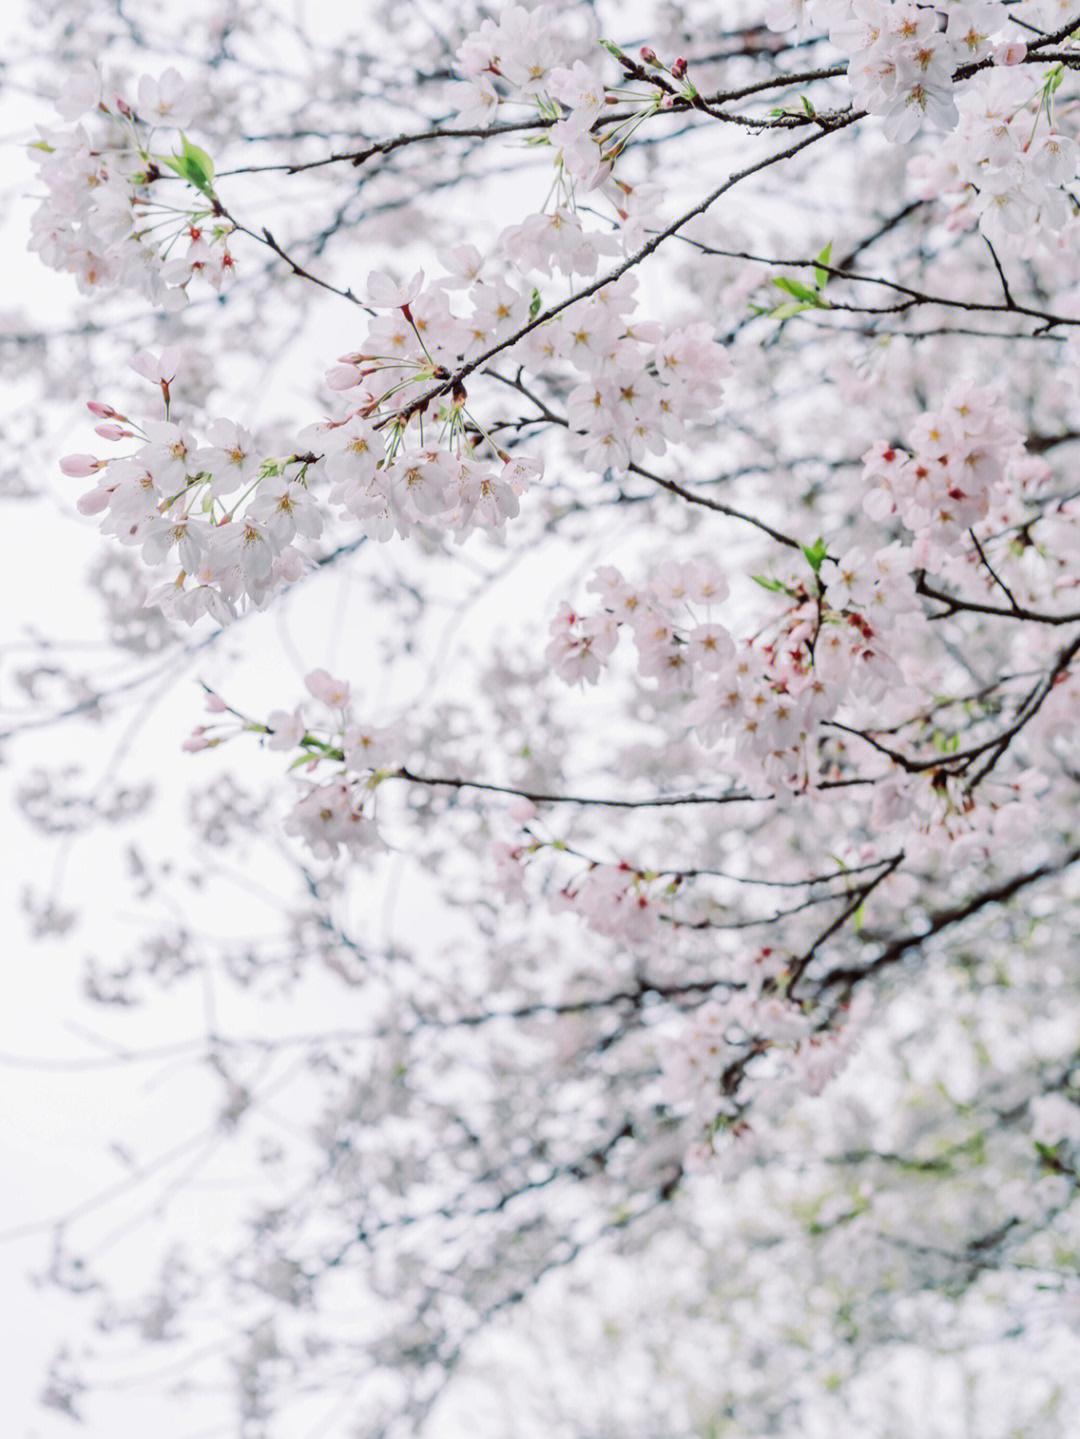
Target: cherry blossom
[(669, 879)]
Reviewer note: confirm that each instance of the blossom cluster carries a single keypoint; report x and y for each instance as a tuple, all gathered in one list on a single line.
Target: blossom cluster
[(528, 58), (636, 385), (1006, 165), (332, 814), (330, 818), (521, 49), (772, 1041), (961, 456), (616, 901), (902, 55), (399, 450), (767, 696), (115, 213), (666, 653), (230, 516), (835, 657), (383, 471), (835, 643)]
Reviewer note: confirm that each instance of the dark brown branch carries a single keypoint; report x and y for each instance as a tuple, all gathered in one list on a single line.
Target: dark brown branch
[(954, 605), (733, 797), (847, 977), (445, 387)]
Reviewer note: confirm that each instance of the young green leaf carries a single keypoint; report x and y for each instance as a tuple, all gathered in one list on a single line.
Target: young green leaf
[(821, 276), (793, 307), (815, 554), (798, 289), (193, 165), (1053, 80)]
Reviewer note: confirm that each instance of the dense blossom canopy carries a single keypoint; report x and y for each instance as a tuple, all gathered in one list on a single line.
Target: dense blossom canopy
[(606, 475)]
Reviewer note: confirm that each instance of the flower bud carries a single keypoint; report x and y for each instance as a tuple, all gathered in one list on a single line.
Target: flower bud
[(79, 466), (343, 377), (93, 502)]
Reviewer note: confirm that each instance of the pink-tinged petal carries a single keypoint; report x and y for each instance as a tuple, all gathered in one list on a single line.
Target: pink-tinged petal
[(324, 687), (385, 293)]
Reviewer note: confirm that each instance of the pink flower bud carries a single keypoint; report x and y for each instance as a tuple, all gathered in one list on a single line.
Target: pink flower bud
[(93, 502), (111, 432), (522, 811), (678, 69), (216, 705), (104, 412), (343, 377), (79, 466), (648, 54), (1013, 52)]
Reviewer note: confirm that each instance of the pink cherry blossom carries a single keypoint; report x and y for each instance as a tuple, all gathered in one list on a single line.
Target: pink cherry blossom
[(332, 692)]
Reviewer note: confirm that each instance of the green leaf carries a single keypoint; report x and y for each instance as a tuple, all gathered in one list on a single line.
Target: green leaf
[(794, 307), (535, 304), (799, 290), (821, 277), (1051, 1155), (807, 105), (193, 165), (815, 554), (767, 584), (1053, 80)]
